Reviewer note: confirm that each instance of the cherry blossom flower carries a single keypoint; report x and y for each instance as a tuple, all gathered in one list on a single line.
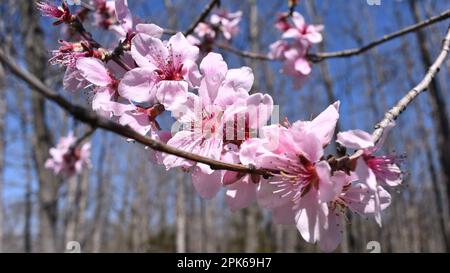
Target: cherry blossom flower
[(304, 184), (384, 168), (302, 31), (222, 113), (94, 71), (227, 22), (67, 159), (163, 72), (296, 64), (104, 15), (278, 49), (205, 30)]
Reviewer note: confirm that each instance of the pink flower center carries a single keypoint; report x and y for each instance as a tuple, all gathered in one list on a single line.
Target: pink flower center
[(170, 69), (298, 178), (384, 167)]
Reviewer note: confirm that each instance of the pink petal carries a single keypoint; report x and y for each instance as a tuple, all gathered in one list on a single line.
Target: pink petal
[(291, 33), (298, 19), (101, 98), (138, 122), (239, 80), (365, 174), (94, 71), (123, 15), (214, 70), (248, 151), (324, 124), (331, 233), (207, 185), (137, 85), (172, 93), (73, 80), (267, 198), (182, 49), (303, 66), (241, 194), (355, 139), (150, 29), (283, 215), (327, 188), (148, 51), (310, 217), (260, 109), (310, 145)]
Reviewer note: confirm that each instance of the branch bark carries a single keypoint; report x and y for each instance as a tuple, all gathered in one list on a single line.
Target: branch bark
[(423, 85), (94, 120)]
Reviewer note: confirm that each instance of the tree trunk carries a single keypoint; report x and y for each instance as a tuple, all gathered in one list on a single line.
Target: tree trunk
[(180, 215), (36, 60), (2, 147), (438, 107)]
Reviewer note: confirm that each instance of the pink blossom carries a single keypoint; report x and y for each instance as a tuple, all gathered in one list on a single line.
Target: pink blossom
[(296, 64), (222, 113), (205, 30), (66, 159), (142, 120), (282, 23), (323, 222), (374, 171), (300, 192), (384, 168), (104, 13), (302, 31), (278, 50), (227, 22), (163, 70), (94, 71)]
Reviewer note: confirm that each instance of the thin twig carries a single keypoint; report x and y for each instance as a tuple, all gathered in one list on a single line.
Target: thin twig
[(85, 136), (202, 16), (401, 105), (320, 56), (243, 53), (317, 57), (95, 120)]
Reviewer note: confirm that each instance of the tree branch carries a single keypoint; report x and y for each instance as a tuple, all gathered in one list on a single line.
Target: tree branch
[(202, 16), (317, 57), (320, 56), (243, 53), (401, 105), (95, 120)]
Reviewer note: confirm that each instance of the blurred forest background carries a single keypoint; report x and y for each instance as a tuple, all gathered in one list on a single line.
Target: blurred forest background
[(124, 203)]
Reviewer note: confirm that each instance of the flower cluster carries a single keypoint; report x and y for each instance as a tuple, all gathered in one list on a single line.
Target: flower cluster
[(297, 38), (221, 21), (68, 158), (218, 116)]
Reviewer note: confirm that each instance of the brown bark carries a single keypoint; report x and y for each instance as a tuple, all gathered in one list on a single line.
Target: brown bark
[(36, 59)]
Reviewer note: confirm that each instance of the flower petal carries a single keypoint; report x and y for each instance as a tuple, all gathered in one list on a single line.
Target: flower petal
[(355, 139), (94, 71), (137, 85)]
